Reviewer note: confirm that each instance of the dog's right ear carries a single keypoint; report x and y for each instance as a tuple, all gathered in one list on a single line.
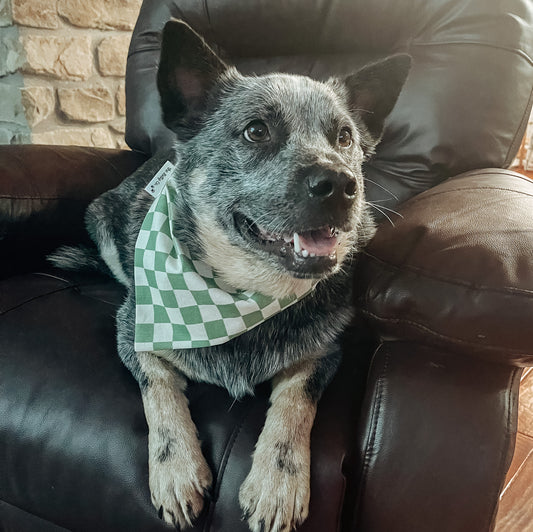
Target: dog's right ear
[(188, 69), (372, 93)]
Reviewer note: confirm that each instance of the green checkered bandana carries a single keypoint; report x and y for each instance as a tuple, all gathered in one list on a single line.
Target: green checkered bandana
[(180, 302)]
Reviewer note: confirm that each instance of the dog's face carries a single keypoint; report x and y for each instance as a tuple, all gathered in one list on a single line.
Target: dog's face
[(274, 162)]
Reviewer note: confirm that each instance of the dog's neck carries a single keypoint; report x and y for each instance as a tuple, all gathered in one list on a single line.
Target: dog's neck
[(238, 269)]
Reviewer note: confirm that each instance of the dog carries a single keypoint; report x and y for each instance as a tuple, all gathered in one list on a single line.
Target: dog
[(270, 196)]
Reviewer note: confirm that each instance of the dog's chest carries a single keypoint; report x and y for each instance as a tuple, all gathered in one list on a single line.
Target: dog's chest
[(237, 371), (303, 331)]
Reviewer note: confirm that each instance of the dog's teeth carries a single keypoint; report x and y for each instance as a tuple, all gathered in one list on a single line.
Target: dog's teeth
[(305, 253), (297, 247), (313, 255)]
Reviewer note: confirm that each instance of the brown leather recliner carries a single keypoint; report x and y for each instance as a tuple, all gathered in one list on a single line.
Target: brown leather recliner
[(417, 430)]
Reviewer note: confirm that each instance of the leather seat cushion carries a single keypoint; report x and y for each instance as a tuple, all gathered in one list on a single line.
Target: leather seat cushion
[(73, 427)]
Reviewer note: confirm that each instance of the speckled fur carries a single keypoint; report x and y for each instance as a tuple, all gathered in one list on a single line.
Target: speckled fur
[(218, 172)]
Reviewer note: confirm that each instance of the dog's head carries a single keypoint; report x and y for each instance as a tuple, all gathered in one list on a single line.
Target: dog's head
[(273, 162)]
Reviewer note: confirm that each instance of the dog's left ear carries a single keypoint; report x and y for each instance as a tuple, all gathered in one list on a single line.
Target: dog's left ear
[(373, 91), (188, 69)]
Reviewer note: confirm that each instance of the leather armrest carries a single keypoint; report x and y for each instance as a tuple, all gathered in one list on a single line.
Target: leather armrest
[(456, 271), (452, 277), (44, 191), (435, 440)]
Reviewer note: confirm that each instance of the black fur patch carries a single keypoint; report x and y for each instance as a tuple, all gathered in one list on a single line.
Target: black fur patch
[(284, 460), (324, 371), (168, 446)]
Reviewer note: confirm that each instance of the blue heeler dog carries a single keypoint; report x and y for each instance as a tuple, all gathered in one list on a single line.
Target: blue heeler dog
[(270, 196)]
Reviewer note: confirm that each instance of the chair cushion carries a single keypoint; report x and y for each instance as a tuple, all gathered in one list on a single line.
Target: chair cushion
[(73, 437), (44, 191), (465, 251)]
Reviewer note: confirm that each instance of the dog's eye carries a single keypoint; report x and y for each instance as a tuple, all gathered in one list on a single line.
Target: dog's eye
[(345, 138), (256, 131)]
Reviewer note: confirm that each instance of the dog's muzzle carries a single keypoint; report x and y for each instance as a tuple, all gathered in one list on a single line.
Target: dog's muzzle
[(311, 253), (322, 203)]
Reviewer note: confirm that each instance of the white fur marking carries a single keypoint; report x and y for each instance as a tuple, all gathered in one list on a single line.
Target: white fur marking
[(241, 269), (109, 254)]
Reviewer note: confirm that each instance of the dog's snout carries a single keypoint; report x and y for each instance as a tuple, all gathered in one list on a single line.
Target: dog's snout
[(325, 183)]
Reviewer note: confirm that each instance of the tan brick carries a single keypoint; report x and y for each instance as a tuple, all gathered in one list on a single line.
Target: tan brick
[(59, 57), (121, 99), (528, 164), (102, 14), (121, 143), (38, 102), (36, 13), (87, 104), (118, 126), (112, 54), (92, 136)]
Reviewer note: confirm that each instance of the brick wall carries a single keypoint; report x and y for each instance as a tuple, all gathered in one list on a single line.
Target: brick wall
[(527, 161), (64, 65), (13, 124), (524, 157)]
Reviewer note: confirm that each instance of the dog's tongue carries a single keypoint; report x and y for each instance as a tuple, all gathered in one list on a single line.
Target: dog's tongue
[(320, 242)]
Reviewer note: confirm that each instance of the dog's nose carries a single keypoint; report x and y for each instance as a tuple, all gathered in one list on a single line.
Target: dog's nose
[(326, 183)]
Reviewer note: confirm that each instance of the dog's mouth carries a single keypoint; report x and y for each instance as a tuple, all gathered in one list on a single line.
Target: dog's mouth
[(305, 253)]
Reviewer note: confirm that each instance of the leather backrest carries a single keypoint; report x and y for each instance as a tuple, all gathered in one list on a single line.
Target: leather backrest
[(465, 104), (44, 192)]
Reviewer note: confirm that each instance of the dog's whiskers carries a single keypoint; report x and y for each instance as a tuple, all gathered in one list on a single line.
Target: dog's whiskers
[(362, 111), (343, 269), (385, 208), (382, 187), (232, 404), (381, 200), (382, 212)]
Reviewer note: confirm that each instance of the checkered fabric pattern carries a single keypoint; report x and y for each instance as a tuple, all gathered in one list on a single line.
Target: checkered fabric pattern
[(180, 302)]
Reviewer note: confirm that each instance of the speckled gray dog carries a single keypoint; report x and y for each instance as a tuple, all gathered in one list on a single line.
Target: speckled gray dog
[(270, 195)]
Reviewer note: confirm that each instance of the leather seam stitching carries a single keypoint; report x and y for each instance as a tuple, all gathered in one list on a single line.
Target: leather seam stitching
[(374, 423), (441, 336), (517, 51), (515, 144), (420, 272), (342, 499), (35, 298), (36, 515), (222, 467), (432, 194), (515, 373)]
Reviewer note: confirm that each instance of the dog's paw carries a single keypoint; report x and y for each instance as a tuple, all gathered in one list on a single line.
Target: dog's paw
[(178, 490), (275, 495)]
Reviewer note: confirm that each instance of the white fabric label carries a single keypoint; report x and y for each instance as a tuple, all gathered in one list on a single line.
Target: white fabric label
[(160, 179)]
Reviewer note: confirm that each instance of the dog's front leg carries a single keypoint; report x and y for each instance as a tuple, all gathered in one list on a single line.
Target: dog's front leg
[(275, 495), (179, 474)]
